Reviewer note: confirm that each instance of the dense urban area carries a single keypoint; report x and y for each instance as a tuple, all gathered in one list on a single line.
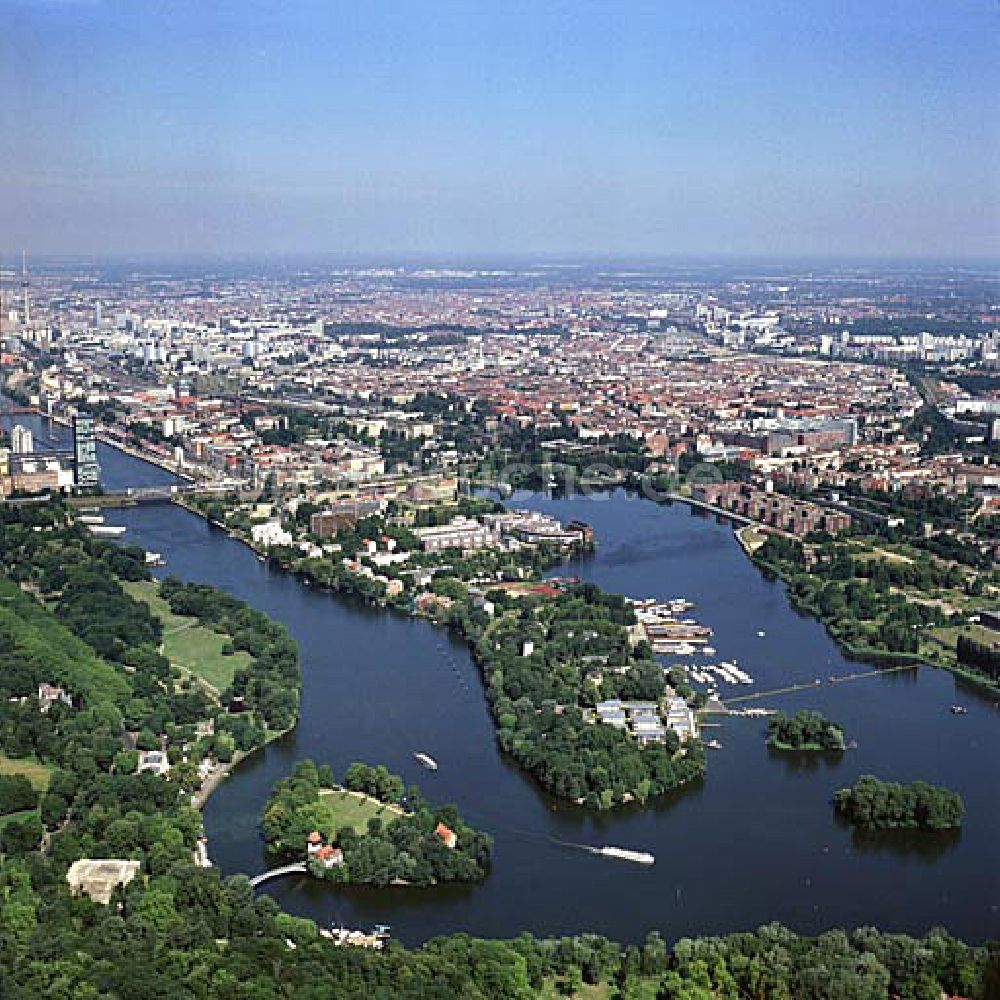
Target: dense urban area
[(377, 433)]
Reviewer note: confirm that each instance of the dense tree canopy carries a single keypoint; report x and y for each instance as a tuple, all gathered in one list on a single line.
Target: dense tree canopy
[(804, 731), (887, 805)]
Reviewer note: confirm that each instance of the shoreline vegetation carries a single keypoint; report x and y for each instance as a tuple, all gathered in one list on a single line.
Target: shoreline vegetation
[(118, 623), (370, 830), (861, 603)]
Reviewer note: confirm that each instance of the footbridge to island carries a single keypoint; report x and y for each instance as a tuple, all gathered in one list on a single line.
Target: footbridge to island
[(296, 869)]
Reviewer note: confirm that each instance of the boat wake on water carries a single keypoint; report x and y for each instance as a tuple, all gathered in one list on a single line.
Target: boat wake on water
[(621, 853)]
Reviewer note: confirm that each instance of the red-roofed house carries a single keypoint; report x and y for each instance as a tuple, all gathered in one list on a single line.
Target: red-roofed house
[(448, 836), (330, 856)]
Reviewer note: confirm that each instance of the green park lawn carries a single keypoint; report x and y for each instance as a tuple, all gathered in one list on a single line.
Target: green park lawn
[(192, 647), (37, 773), (16, 817), (553, 989), (354, 810)]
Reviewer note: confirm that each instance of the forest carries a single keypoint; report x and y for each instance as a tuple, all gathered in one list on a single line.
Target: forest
[(805, 730), (187, 935), (872, 804), (66, 620), (399, 843)]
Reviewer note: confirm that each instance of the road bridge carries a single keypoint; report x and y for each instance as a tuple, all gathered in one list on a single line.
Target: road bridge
[(134, 495)]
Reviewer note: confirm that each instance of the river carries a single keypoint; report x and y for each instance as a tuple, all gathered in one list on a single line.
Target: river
[(756, 841)]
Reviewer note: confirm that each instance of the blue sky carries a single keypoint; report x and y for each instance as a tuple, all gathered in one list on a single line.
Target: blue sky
[(836, 127)]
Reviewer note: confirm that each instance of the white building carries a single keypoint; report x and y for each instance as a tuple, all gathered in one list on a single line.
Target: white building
[(269, 534), (21, 440)]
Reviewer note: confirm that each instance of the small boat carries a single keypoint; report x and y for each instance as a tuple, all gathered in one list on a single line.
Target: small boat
[(959, 710), (761, 634), (429, 762), (639, 857)]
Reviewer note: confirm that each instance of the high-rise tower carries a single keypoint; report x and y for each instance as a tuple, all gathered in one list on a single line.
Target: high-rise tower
[(24, 288), (21, 440), (88, 472)]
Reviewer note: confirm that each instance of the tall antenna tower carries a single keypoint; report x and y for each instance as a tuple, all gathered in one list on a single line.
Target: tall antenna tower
[(24, 287)]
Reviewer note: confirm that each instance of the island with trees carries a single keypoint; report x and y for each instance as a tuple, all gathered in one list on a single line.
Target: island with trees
[(547, 649), (370, 830), (805, 730), (872, 804)]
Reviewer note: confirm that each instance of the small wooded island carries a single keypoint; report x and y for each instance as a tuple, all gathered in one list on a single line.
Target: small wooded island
[(804, 731), (370, 830), (872, 804)]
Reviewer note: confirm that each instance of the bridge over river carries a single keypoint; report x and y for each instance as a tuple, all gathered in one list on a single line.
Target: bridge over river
[(134, 495), (296, 869)]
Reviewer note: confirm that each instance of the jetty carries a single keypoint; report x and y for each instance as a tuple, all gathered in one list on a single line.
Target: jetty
[(833, 679)]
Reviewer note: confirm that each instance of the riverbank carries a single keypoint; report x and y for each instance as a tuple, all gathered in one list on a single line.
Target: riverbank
[(219, 774), (866, 654), (752, 536)]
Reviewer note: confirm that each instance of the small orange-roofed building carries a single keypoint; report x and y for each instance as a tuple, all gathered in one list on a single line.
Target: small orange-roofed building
[(448, 836)]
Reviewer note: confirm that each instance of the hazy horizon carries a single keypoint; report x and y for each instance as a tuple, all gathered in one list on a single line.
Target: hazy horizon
[(682, 132), (10, 260)]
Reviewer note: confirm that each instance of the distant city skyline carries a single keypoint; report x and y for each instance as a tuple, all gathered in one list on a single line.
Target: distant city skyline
[(463, 130)]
